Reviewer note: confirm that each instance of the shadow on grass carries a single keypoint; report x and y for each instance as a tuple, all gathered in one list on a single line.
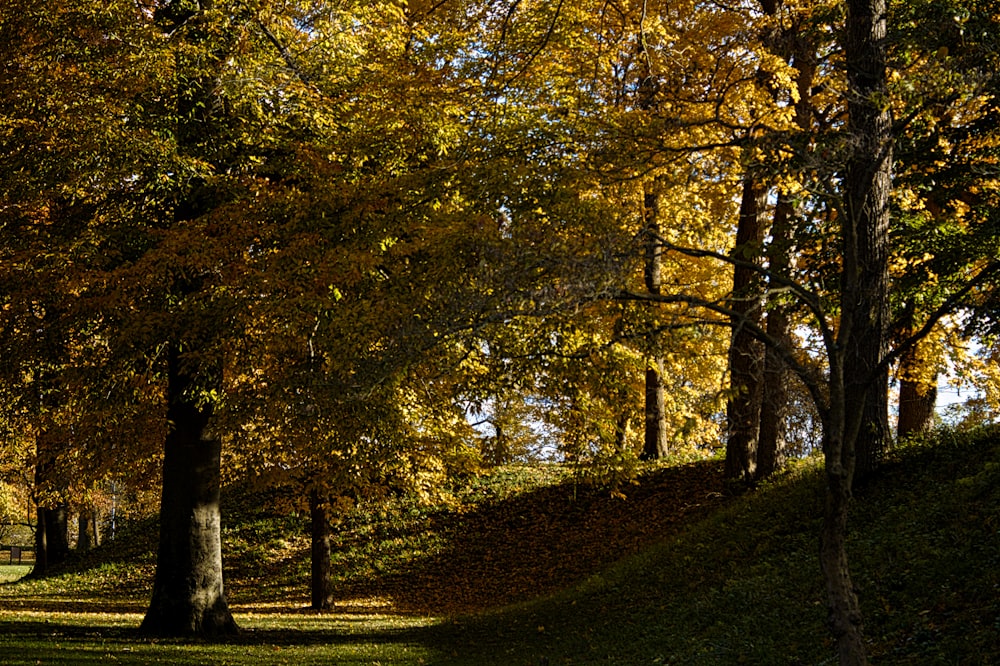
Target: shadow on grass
[(539, 542)]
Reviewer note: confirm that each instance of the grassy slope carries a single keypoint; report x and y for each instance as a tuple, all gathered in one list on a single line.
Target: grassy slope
[(528, 569)]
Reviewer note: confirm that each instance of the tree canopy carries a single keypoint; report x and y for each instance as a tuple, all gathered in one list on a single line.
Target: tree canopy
[(360, 246)]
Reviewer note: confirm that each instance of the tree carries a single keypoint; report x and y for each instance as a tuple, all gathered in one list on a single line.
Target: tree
[(854, 340), (745, 351)]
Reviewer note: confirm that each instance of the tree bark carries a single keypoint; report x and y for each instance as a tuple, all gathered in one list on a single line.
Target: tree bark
[(867, 186), (655, 444), (88, 529), (854, 434), (41, 565), (917, 405), (841, 421), (188, 592), (800, 52), (321, 582), (844, 618), (51, 526), (774, 398), (655, 441), (745, 352), (917, 399)]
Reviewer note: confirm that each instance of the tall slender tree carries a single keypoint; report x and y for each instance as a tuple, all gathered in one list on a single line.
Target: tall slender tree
[(746, 355)]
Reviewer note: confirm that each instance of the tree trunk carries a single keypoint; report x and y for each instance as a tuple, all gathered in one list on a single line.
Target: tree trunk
[(85, 531), (51, 528), (621, 432), (774, 399), (867, 186), (840, 431), (844, 610), (917, 405), (799, 52), (51, 539), (745, 352), (322, 588), (874, 437), (917, 399), (655, 442), (41, 565), (188, 593), (95, 523), (854, 435)]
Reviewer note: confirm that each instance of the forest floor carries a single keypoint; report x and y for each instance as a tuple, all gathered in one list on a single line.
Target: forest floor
[(526, 565)]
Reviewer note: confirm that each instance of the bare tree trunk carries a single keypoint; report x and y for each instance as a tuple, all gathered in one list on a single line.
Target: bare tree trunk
[(51, 528), (655, 441), (800, 52), (84, 539), (745, 352), (917, 399), (655, 444), (840, 429), (854, 436), (867, 186), (188, 594), (774, 399), (917, 405), (875, 437), (41, 566), (321, 584), (51, 539), (95, 522), (844, 610)]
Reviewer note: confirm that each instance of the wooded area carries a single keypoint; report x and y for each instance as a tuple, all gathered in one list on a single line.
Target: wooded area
[(357, 248)]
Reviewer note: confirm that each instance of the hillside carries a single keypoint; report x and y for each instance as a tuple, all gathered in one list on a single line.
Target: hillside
[(526, 567)]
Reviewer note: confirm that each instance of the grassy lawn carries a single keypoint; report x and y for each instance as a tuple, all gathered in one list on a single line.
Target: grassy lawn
[(99, 637), (11, 572), (524, 568)]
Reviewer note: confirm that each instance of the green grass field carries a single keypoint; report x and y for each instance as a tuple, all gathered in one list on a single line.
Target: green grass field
[(11, 572), (524, 567)]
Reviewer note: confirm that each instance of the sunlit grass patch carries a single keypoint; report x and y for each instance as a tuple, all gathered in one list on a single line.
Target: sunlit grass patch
[(12, 572), (33, 636)]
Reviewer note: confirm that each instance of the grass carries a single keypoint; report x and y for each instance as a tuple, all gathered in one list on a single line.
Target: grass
[(524, 567), (12, 572)]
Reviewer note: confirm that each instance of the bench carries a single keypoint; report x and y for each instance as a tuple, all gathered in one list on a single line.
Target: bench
[(16, 553)]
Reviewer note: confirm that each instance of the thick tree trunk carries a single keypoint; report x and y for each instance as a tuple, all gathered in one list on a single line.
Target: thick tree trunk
[(51, 539), (188, 594), (83, 541), (322, 588), (51, 526), (41, 565), (57, 534), (875, 437), (867, 186), (917, 405), (844, 610), (87, 531), (745, 352), (774, 399), (840, 430), (855, 435), (655, 441), (917, 399)]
